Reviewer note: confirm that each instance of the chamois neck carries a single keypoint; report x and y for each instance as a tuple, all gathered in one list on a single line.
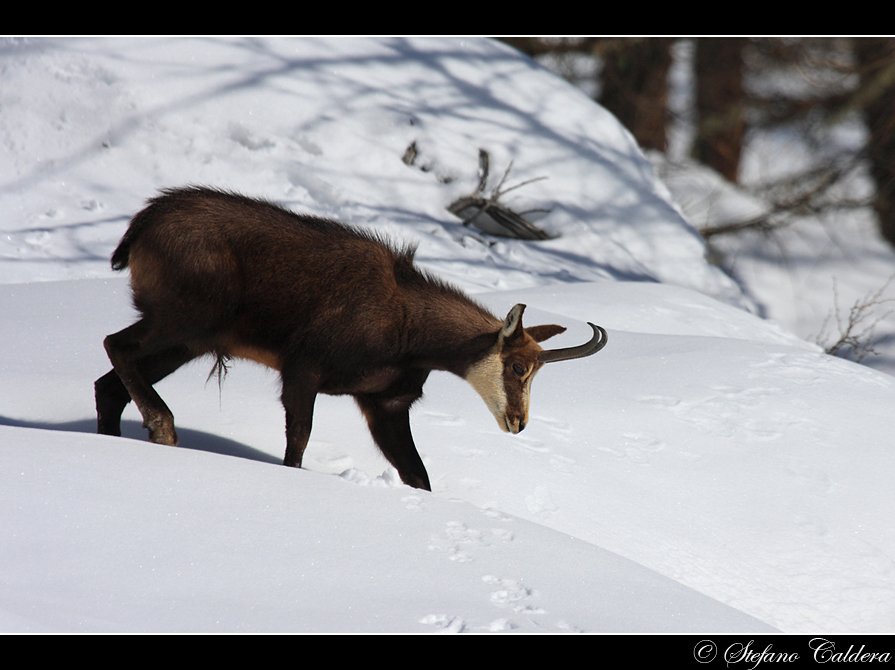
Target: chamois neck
[(453, 332)]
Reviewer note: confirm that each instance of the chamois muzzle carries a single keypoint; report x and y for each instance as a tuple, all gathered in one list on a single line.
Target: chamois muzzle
[(597, 342)]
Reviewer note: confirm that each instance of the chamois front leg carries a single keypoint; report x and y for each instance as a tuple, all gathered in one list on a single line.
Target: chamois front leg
[(299, 394), (388, 416), (390, 428)]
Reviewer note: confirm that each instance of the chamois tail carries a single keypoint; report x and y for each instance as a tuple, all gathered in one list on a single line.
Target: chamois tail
[(121, 255)]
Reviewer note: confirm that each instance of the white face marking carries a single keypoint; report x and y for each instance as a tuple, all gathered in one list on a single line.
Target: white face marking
[(526, 394), (486, 377)]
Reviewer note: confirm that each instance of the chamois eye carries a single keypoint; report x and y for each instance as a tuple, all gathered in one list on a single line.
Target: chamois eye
[(518, 369)]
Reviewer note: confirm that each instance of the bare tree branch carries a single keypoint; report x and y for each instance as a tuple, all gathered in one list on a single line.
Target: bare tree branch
[(856, 333)]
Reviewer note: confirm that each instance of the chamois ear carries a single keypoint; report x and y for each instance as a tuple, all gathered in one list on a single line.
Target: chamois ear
[(545, 332), (512, 325)]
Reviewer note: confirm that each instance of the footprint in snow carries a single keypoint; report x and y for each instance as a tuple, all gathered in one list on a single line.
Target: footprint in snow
[(512, 594), (540, 501), (460, 542)]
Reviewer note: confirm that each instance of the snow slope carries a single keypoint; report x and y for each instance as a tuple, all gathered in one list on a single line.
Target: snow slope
[(706, 472)]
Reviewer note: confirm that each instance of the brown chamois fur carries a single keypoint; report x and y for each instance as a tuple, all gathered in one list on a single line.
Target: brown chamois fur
[(333, 309)]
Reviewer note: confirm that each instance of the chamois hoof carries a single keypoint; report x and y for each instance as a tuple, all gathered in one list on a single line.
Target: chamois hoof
[(162, 434)]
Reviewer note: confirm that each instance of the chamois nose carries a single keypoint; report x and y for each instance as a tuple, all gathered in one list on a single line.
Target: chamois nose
[(514, 425)]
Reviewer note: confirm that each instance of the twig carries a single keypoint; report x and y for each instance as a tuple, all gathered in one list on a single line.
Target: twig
[(856, 335)]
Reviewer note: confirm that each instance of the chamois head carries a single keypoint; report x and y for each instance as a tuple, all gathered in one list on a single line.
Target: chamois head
[(503, 376)]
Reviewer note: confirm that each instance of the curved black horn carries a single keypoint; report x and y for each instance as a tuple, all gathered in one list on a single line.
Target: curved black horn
[(597, 342)]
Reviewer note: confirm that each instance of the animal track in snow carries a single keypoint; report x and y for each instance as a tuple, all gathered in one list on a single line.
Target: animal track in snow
[(455, 624), (448, 624), (460, 542), (508, 593), (389, 478), (412, 502), (540, 501), (497, 515), (512, 594)]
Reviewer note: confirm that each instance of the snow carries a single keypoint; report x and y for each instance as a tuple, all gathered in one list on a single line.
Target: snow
[(707, 472)]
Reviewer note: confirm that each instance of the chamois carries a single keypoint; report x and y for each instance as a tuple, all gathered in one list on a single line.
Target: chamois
[(334, 310)]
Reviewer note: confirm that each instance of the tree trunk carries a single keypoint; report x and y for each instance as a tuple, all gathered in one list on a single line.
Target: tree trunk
[(876, 63), (720, 103), (635, 87)]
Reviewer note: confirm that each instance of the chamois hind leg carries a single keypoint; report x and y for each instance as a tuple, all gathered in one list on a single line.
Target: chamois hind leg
[(126, 349), (298, 396), (112, 396)]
